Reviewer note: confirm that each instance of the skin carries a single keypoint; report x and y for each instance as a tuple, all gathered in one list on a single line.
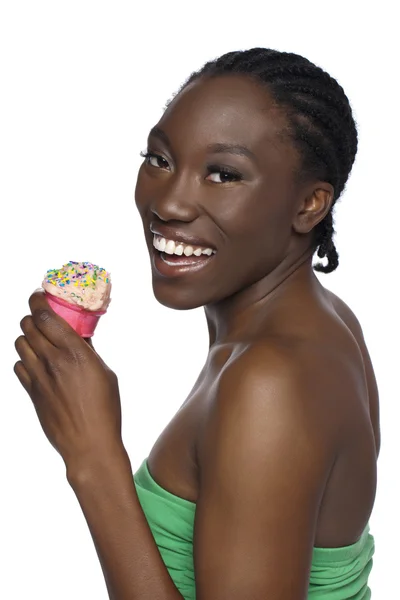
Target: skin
[(284, 414), (278, 440)]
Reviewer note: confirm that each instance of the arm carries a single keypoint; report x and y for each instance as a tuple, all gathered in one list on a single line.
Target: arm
[(265, 460), (76, 397), (132, 565)]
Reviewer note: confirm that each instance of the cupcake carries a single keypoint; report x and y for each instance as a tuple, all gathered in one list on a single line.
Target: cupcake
[(79, 292)]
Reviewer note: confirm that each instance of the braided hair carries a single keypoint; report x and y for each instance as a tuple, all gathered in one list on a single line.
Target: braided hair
[(319, 116)]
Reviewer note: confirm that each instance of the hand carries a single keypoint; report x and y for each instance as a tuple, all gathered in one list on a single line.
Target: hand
[(75, 394)]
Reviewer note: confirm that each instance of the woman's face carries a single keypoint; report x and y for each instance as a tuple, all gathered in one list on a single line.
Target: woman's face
[(219, 169)]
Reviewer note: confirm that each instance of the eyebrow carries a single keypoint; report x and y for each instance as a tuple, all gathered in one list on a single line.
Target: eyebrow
[(160, 134), (237, 149), (231, 149)]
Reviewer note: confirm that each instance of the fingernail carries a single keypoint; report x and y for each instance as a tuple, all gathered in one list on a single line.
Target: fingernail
[(38, 290)]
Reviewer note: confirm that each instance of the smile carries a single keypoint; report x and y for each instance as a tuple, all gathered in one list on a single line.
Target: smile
[(173, 265)]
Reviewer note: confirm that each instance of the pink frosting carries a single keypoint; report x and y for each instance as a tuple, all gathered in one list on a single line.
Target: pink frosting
[(80, 283)]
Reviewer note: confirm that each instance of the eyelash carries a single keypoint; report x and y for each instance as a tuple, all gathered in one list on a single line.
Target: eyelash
[(236, 176), (148, 155)]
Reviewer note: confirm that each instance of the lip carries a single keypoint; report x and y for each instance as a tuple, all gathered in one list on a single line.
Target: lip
[(170, 271), (170, 233)]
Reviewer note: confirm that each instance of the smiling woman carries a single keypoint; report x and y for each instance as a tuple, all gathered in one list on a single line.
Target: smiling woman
[(263, 483), (272, 459)]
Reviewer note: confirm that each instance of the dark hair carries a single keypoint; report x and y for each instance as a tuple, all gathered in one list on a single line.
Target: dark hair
[(320, 120)]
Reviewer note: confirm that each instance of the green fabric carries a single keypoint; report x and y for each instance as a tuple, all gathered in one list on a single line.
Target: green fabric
[(336, 573)]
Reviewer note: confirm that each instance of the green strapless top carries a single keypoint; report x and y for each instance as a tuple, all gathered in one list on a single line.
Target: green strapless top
[(336, 573)]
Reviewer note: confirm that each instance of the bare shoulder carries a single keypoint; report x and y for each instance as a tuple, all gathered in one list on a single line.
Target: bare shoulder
[(277, 427), (347, 315), (300, 383), (266, 455), (286, 368)]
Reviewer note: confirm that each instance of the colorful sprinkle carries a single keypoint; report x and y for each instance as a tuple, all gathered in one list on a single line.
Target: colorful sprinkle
[(78, 276)]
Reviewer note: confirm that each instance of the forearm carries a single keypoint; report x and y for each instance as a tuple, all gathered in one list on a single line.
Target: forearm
[(132, 565)]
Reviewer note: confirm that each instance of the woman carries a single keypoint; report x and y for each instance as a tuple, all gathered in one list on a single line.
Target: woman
[(263, 483)]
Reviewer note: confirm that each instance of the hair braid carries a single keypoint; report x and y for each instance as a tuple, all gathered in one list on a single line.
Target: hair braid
[(321, 123)]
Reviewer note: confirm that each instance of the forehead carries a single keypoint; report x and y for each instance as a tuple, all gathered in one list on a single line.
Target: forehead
[(230, 109)]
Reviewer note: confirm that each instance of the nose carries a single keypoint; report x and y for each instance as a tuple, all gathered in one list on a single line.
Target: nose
[(175, 201)]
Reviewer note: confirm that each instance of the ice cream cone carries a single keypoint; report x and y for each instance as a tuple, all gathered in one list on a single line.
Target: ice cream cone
[(79, 292), (84, 322)]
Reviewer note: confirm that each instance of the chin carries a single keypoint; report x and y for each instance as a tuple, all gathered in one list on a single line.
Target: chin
[(178, 299)]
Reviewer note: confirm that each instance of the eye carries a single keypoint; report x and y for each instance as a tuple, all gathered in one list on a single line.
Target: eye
[(218, 174), (155, 160)]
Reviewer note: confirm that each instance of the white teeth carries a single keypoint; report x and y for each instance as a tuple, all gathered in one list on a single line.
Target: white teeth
[(178, 248), (188, 251), (170, 247)]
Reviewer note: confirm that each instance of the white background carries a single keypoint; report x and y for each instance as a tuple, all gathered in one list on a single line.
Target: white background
[(81, 84)]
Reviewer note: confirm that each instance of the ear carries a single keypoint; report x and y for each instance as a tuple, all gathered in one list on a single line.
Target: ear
[(314, 207)]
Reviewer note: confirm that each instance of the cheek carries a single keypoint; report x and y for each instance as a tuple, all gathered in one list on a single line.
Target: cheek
[(258, 235), (260, 221)]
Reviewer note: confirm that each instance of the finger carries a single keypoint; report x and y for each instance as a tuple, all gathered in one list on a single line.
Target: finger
[(23, 376), (53, 327), (27, 355), (34, 336)]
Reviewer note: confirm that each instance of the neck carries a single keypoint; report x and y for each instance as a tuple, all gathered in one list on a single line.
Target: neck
[(235, 315)]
